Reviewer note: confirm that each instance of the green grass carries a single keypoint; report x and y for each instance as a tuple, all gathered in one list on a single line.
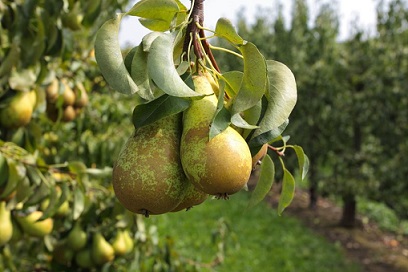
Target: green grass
[(254, 240)]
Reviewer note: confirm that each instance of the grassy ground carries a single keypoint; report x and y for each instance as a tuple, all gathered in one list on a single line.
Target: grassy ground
[(253, 240)]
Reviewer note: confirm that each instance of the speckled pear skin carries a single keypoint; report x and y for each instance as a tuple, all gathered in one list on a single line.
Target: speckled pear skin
[(218, 167), (148, 177), (193, 197)]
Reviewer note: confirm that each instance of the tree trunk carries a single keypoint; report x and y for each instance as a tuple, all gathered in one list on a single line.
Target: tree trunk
[(313, 188), (348, 219)]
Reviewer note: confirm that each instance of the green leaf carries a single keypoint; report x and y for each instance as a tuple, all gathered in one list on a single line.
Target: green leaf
[(225, 29), (288, 190), (109, 58), (254, 82), (233, 81), (240, 122), (157, 109), (24, 190), (303, 161), (265, 181), (162, 71), (79, 203), (281, 95), (16, 173), (139, 74), (222, 117), (157, 15), (10, 60), (129, 58), (267, 137)]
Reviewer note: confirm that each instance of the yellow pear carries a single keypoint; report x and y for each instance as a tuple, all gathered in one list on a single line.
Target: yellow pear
[(52, 91), (220, 166), (6, 226), (68, 94), (119, 243), (148, 177), (102, 252), (33, 227), (18, 111)]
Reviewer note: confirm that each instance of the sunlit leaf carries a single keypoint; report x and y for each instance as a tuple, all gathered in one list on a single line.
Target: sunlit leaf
[(240, 122), (281, 95), (233, 82), (303, 161), (79, 203), (225, 29), (265, 181), (157, 15), (157, 109), (109, 58), (254, 82), (162, 70), (288, 191)]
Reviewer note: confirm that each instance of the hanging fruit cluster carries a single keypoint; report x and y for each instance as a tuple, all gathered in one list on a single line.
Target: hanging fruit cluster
[(197, 128)]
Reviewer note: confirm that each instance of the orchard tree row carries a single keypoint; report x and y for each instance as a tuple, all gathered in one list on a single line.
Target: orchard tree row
[(352, 115)]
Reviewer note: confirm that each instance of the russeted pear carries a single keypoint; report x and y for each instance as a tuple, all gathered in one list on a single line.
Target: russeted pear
[(221, 166), (6, 227), (193, 197), (148, 177)]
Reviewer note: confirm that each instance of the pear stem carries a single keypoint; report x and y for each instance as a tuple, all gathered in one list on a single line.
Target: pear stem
[(195, 35)]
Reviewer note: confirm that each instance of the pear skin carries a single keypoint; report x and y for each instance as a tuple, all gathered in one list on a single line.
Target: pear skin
[(193, 197), (148, 177), (220, 166), (6, 226), (18, 112)]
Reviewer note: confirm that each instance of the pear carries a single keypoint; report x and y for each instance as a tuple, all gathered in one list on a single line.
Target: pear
[(81, 97), (130, 244), (147, 177), (18, 111), (260, 155), (220, 166), (52, 91), (102, 252), (77, 238), (84, 258), (193, 197), (119, 244), (69, 114), (6, 226), (68, 94), (33, 227)]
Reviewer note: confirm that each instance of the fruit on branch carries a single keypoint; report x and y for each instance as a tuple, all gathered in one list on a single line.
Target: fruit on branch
[(84, 258), (19, 110), (72, 101), (102, 252), (77, 238), (259, 156), (220, 166), (148, 177), (121, 243), (6, 226), (33, 227)]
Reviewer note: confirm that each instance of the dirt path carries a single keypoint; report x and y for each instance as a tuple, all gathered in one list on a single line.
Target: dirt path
[(374, 249)]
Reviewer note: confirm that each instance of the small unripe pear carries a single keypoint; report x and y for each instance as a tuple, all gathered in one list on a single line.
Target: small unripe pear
[(77, 238), (18, 112), (6, 227), (84, 258), (102, 251), (33, 227)]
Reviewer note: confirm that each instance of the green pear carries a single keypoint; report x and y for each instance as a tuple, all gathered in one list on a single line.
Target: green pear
[(84, 258), (147, 177), (18, 111), (77, 238), (6, 227), (33, 227), (130, 244), (220, 166), (102, 252)]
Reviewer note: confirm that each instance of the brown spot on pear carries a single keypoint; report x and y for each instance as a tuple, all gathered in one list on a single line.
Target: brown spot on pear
[(220, 166), (148, 177)]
